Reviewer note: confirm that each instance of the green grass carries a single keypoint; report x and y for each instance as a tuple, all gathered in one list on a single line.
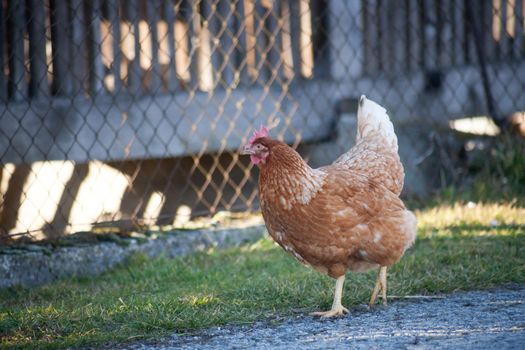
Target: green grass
[(496, 174), (457, 249)]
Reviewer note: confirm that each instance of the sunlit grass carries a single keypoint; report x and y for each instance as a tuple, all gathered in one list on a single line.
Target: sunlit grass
[(470, 213)]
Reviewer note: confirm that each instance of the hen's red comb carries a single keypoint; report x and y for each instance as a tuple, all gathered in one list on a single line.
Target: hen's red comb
[(262, 132)]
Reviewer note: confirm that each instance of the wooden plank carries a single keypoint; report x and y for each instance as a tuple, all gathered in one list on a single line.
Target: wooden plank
[(275, 54), (345, 35), (295, 34), (3, 49), (134, 84), (38, 85), (227, 39), (16, 29), (152, 18), (430, 31), (444, 35), (169, 17), (514, 28), (487, 43), (497, 28), (261, 44), (423, 44), (395, 24), (306, 38), (368, 42), (382, 38), (321, 38), (79, 48), (506, 41), (287, 43), (96, 77), (242, 44), (468, 37), (456, 13), (519, 40), (131, 138), (375, 29), (413, 38), (213, 27), (191, 16), (113, 11)]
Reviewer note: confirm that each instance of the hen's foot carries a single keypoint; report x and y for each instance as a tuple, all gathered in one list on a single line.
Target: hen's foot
[(335, 311)]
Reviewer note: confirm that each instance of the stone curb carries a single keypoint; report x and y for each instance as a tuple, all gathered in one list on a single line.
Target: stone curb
[(35, 267)]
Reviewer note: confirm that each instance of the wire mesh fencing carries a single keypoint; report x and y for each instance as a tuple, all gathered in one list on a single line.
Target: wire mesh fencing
[(132, 112)]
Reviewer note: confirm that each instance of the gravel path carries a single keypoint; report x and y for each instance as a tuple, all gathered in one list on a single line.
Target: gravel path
[(474, 320)]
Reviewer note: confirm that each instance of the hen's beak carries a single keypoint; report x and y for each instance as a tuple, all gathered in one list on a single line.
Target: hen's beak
[(247, 149)]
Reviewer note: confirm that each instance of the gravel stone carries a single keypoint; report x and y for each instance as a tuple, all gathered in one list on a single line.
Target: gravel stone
[(491, 319)]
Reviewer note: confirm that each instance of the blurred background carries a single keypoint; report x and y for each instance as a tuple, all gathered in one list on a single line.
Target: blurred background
[(126, 115)]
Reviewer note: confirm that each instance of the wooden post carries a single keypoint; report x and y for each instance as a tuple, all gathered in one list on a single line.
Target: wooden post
[(383, 35), (487, 43), (456, 12), (37, 49), (192, 19), (152, 16), (430, 33), (169, 17), (369, 37), (79, 47), (423, 44), (446, 37), (261, 44), (395, 33), (346, 28), (134, 71), (113, 11), (275, 55), (413, 37), (212, 25), (519, 34), (295, 34), (97, 68), (227, 41), (468, 38), (15, 27), (242, 43), (3, 47)]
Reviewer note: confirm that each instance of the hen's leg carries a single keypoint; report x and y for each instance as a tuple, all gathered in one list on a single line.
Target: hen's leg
[(382, 275), (380, 286), (337, 308)]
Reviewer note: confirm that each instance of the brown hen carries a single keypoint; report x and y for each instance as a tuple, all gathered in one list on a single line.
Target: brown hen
[(344, 216)]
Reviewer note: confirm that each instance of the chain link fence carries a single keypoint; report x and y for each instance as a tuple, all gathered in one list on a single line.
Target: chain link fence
[(132, 112)]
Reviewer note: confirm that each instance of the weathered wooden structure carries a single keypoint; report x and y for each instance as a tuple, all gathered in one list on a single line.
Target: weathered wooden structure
[(113, 80)]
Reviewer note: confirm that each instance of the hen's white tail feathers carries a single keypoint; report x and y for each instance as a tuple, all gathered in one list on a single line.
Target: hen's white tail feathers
[(372, 119)]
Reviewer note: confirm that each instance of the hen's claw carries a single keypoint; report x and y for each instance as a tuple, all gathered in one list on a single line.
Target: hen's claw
[(337, 308), (337, 311)]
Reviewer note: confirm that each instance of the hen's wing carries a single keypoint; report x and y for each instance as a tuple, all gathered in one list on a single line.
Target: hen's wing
[(375, 152), (368, 217), (352, 222)]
